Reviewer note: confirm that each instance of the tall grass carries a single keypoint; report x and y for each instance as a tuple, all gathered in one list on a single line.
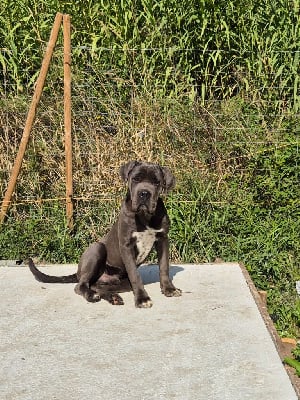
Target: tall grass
[(209, 49)]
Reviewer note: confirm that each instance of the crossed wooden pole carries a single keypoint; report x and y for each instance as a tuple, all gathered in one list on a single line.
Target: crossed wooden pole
[(59, 20)]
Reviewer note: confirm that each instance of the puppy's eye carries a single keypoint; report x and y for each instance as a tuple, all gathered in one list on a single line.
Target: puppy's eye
[(156, 183), (136, 178)]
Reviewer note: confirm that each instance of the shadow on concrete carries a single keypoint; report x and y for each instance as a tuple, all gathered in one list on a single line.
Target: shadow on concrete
[(150, 273)]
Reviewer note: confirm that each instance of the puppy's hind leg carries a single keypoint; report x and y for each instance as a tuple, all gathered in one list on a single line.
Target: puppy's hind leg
[(110, 292), (91, 267)]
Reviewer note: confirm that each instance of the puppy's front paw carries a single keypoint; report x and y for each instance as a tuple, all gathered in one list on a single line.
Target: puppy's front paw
[(143, 301), (144, 304), (172, 292)]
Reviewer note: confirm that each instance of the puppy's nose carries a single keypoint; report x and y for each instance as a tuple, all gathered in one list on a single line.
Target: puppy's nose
[(144, 194)]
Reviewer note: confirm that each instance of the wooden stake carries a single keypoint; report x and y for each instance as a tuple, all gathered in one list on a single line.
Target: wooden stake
[(68, 120), (31, 116)]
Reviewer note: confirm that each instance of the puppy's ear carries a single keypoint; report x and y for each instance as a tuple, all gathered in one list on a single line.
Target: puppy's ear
[(169, 180), (126, 169)]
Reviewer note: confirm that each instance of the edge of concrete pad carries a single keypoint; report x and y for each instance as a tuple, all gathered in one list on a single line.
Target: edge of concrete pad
[(281, 349)]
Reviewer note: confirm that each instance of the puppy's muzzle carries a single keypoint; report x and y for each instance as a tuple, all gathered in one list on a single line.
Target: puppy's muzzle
[(145, 201), (144, 195)]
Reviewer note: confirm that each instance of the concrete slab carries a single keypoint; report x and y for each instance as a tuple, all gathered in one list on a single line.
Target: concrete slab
[(210, 344)]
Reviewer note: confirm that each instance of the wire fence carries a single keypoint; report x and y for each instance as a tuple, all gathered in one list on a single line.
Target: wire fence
[(215, 130)]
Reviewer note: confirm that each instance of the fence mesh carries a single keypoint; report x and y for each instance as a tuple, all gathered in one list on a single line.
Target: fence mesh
[(224, 132)]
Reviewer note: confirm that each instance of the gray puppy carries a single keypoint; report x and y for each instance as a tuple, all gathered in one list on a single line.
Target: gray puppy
[(109, 266)]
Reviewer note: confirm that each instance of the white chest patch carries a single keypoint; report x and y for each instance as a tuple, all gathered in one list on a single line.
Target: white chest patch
[(144, 242)]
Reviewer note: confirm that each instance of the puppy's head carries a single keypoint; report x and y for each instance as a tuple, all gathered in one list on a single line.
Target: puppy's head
[(146, 182)]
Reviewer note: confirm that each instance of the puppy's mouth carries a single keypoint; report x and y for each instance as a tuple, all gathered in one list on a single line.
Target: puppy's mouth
[(146, 209), (142, 207)]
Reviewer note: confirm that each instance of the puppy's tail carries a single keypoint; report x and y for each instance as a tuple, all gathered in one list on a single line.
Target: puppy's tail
[(40, 276)]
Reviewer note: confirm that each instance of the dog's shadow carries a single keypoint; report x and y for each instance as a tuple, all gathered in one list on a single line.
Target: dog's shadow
[(150, 273)]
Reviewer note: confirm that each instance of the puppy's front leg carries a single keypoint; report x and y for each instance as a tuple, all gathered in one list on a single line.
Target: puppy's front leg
[(141, 297), (166, 285)]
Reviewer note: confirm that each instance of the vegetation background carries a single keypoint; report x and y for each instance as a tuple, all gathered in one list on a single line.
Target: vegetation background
[(209, 88)]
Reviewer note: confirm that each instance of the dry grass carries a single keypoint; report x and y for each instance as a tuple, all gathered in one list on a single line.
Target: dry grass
[(102, 141)]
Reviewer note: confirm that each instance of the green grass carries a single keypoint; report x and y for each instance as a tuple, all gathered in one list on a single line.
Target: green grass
[(211, 50)]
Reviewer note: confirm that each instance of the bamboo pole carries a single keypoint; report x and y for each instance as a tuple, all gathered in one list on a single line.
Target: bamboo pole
[(68, 120), (31, 116)]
